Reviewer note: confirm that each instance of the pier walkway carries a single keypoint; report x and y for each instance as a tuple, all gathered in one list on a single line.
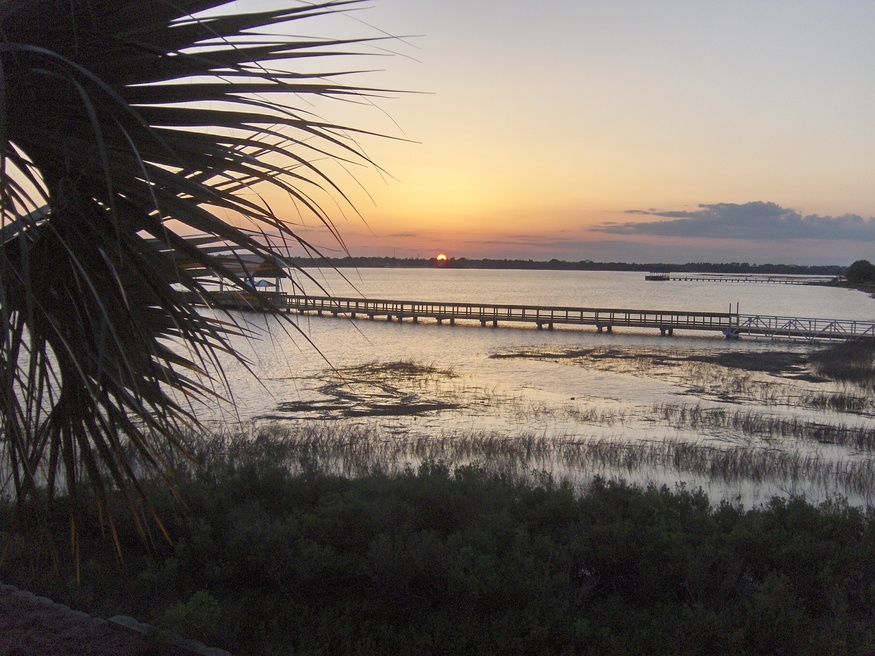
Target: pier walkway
[(730, 324), (779, 279)]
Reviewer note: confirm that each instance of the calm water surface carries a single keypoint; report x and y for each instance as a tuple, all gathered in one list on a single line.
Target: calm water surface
[(313, 373), (594, 289)]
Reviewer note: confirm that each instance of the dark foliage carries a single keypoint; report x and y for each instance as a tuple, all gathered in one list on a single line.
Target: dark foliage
[(126, 125), (439, 561), (861, 272)]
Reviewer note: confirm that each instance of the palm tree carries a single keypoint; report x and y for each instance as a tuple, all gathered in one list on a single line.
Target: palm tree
[(125, 126)]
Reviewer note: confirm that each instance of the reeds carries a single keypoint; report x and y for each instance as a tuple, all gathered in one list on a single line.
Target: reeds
[(758, 424), (771, 379), (401, 388), (752, 427), (407, 369), (354, 451), (850, 362)]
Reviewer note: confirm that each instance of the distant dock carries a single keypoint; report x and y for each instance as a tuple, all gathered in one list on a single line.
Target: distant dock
[(775, 279), (730, 324)]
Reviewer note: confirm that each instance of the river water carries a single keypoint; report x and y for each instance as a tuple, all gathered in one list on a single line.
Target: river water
[(631, 387)]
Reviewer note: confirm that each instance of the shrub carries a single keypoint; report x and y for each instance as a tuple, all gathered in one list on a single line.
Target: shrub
[(458, 560), (200, 617), (861, 272)]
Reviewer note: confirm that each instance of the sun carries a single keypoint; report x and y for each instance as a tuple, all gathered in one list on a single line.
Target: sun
[(441, 258)]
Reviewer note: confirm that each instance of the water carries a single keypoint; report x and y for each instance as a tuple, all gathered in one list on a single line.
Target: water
[(606, 289), (567, 385)]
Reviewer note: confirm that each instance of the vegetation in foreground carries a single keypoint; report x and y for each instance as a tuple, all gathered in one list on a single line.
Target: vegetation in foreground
[(441, 560)]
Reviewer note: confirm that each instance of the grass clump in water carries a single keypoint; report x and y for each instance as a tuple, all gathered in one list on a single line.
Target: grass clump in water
[(848, 362), (401, 388)]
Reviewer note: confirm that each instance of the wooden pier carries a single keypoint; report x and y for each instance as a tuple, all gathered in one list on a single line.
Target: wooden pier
[(730, 324), (775, 279)]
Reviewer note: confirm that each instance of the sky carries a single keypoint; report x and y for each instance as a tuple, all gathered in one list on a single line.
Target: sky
[(617, 130)]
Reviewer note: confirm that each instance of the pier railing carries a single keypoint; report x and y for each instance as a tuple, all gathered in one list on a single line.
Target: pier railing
[(602, 319), (492, 313), (817, 329)]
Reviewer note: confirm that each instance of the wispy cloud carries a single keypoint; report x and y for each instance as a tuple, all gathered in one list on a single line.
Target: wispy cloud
[(754, 221)]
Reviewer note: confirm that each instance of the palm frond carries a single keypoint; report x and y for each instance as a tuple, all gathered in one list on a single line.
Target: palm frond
[(125, 125)]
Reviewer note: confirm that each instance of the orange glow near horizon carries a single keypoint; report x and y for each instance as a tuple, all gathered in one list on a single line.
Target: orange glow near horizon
[(487, 167), (441, 258)]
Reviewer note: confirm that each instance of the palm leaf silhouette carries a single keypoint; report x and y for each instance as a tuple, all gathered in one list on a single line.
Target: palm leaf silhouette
[(125, 125)]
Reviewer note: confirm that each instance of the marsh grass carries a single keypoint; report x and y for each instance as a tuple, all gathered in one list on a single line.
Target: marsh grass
[(792, 379), (400, 388), (711, 381), (732, 437), (840, 402), (758, 424), (749, 423), (444, 558), (596, 415), (408, 369), (849, 362), (356, 452)]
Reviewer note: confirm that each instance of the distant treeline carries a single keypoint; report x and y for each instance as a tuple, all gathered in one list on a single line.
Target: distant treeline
[(562, 265)]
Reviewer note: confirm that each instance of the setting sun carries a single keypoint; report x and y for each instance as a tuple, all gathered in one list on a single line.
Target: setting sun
[(441, 258)]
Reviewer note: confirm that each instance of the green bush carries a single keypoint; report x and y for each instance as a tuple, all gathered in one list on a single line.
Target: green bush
[(444, 560), (861, 272), (200, 617)]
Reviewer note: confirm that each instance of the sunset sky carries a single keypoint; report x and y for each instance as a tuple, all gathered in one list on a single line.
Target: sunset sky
[(645, 131)]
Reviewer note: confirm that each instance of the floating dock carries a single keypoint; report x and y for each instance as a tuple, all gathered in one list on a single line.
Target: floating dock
[(730, 324)]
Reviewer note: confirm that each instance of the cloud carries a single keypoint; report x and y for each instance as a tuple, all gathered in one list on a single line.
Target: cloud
[(756, 221)]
